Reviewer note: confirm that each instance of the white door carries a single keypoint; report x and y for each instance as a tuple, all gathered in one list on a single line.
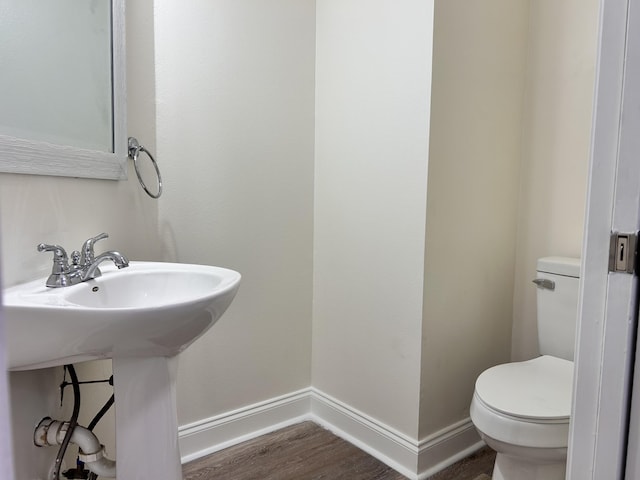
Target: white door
[(608, 308), (633, 458)]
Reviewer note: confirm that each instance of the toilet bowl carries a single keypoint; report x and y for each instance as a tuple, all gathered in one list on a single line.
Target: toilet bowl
[(522, 409)]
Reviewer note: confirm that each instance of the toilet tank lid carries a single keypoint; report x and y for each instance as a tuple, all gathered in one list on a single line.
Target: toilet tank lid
[(567, 266)]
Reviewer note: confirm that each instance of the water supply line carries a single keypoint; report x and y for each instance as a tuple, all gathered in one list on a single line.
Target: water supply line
[(105, 408), (51, 432), (72, 422)]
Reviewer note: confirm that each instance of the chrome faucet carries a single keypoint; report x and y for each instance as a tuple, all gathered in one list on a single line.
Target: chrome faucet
[(92, 271), (86, 252), (84, 263)]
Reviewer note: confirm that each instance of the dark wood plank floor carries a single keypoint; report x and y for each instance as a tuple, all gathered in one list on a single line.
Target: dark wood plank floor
[(477, 466), (304, 452)]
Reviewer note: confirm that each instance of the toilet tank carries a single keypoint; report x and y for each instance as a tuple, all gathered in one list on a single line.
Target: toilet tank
[(557, 283)]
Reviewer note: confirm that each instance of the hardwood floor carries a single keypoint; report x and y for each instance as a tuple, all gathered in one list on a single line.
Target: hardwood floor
[(477, 466), (301, 452), (308, 452)]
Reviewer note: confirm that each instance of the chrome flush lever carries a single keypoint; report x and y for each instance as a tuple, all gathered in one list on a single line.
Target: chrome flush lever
[(545, 283)]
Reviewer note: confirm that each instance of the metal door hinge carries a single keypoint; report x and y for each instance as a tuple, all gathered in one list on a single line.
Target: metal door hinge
[(623, 252)]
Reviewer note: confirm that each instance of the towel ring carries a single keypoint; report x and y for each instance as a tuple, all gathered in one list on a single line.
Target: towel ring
[(134, 151)]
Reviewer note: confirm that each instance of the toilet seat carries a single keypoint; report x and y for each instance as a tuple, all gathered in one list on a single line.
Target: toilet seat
[(525, 403)]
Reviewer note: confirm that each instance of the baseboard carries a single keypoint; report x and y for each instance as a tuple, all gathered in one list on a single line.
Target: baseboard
[(212, 434), (415, 460), (447, 446), (386, 444)]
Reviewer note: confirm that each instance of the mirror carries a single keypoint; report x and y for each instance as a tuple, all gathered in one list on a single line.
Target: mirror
[(62, 88)]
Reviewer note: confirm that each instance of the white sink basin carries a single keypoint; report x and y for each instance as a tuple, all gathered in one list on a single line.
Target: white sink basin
[(148, 309)]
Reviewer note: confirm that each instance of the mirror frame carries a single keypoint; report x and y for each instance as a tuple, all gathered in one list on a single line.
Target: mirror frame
[(18, 155)]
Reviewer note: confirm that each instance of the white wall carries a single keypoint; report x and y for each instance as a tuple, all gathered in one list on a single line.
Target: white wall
[(35, 209), (235, 120), (235, 83), (373, 74), (479, 70), (555, 150)]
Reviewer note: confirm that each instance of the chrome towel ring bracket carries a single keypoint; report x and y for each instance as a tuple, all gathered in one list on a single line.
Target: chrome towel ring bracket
[(134, 152)]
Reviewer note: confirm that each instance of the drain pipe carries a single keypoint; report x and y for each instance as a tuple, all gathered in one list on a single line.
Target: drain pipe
[(51, 432)]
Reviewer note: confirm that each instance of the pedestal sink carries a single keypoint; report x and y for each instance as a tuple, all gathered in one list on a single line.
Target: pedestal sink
[(141, 317)]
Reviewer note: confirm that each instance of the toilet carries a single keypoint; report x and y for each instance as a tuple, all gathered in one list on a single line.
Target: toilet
[(522, 409)]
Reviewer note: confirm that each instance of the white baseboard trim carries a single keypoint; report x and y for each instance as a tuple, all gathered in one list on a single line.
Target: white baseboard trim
[(216, 433), (386, 444), (447, 446), (415, 460)]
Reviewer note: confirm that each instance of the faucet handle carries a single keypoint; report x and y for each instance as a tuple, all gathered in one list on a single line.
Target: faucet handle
[(87, 254), (59, 253), (58, 277)]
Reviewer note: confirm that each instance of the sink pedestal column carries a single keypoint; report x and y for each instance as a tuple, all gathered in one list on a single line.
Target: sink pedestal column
[(146, 419)]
